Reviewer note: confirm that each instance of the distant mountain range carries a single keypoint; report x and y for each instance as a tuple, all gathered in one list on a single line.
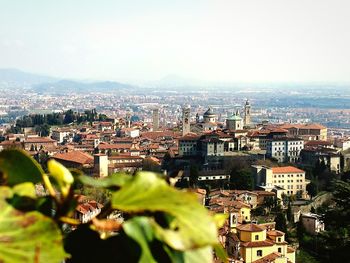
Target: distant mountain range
[(46, 84), (18, 77), (70, 86)]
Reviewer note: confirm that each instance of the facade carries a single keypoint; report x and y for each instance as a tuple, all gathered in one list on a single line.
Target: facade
[(259, 245), (60, 135), (101, 165), (129, 132), (234, 122), (125, 163), (342, 144), (186, 125), (287, 180), (38, 143), (209, 120), (330, 157), (284, 149), (188, 145), (212, 147), (309, 132), (312, 223), (86, 209)]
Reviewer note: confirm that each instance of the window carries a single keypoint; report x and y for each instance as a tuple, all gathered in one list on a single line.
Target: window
[(279, 250), (256, 237), (279, 239), (259, 253)]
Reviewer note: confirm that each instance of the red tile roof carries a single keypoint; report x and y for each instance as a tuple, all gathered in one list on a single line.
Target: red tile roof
[(275, 233), (107, 146), (290, 250), (39, 140), (286, 169), (269, 258), (250, 228), (312, 126), (75, 157), (265, 243)]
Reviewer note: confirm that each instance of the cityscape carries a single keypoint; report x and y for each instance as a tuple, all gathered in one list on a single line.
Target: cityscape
[(167, 157)]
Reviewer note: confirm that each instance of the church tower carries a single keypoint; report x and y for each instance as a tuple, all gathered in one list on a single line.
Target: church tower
[(155, 119), (186, 126), (247, 113)]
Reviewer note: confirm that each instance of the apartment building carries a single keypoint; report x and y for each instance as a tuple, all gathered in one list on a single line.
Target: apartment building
[(284, 149), (287, 180)]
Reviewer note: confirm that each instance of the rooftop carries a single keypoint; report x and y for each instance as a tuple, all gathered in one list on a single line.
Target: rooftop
[(75, 157), (250, 228), (286, 169)]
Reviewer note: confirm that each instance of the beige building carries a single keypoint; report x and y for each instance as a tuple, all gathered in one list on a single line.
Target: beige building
[(309, 132), (312, 223), (287, 180)]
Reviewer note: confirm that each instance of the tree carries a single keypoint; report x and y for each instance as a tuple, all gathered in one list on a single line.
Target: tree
[(194, 175), (241, 179), (269, 203), (281, 222), (151, 165), (69, 117), (312, 188)]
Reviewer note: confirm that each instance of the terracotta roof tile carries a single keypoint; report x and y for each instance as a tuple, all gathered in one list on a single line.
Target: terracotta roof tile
[(269, 258), (75, 157), (250, 228), (265, 243), (286, 169)]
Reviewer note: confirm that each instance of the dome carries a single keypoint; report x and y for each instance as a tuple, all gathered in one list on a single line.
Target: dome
[(234, 117), (209, 112)]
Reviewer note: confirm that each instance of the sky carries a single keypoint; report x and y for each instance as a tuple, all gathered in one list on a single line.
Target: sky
[(206, 40)]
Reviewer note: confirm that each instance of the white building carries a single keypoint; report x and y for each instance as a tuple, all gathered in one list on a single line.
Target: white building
[(234, 122), (209, 120), (60, 135), (284, 149), (312, 223), (287, 180), (342, 144)]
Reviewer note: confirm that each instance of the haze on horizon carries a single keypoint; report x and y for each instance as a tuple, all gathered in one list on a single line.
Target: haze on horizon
[(220, 41)]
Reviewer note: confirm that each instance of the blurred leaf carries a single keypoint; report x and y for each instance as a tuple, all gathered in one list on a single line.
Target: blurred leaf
[(192, 226), (199, 255), (19, 167), (62, 175), (220, 219), (139, 229), (220, 252), (114, 180), (27, 237), (25, 189)]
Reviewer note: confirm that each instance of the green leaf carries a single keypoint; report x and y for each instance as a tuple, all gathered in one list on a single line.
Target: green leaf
[(114, 180), (220, 219), (220, 253), (25, 189), (19, 167), (199, 255), (139, 229), (192, 226), (27, 237)]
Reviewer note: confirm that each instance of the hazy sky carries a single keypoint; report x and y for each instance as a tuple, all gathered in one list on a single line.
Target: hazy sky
[(218, 40)]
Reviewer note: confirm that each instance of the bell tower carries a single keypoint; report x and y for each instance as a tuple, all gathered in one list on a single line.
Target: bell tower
[(247, 113), (186, 125)]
